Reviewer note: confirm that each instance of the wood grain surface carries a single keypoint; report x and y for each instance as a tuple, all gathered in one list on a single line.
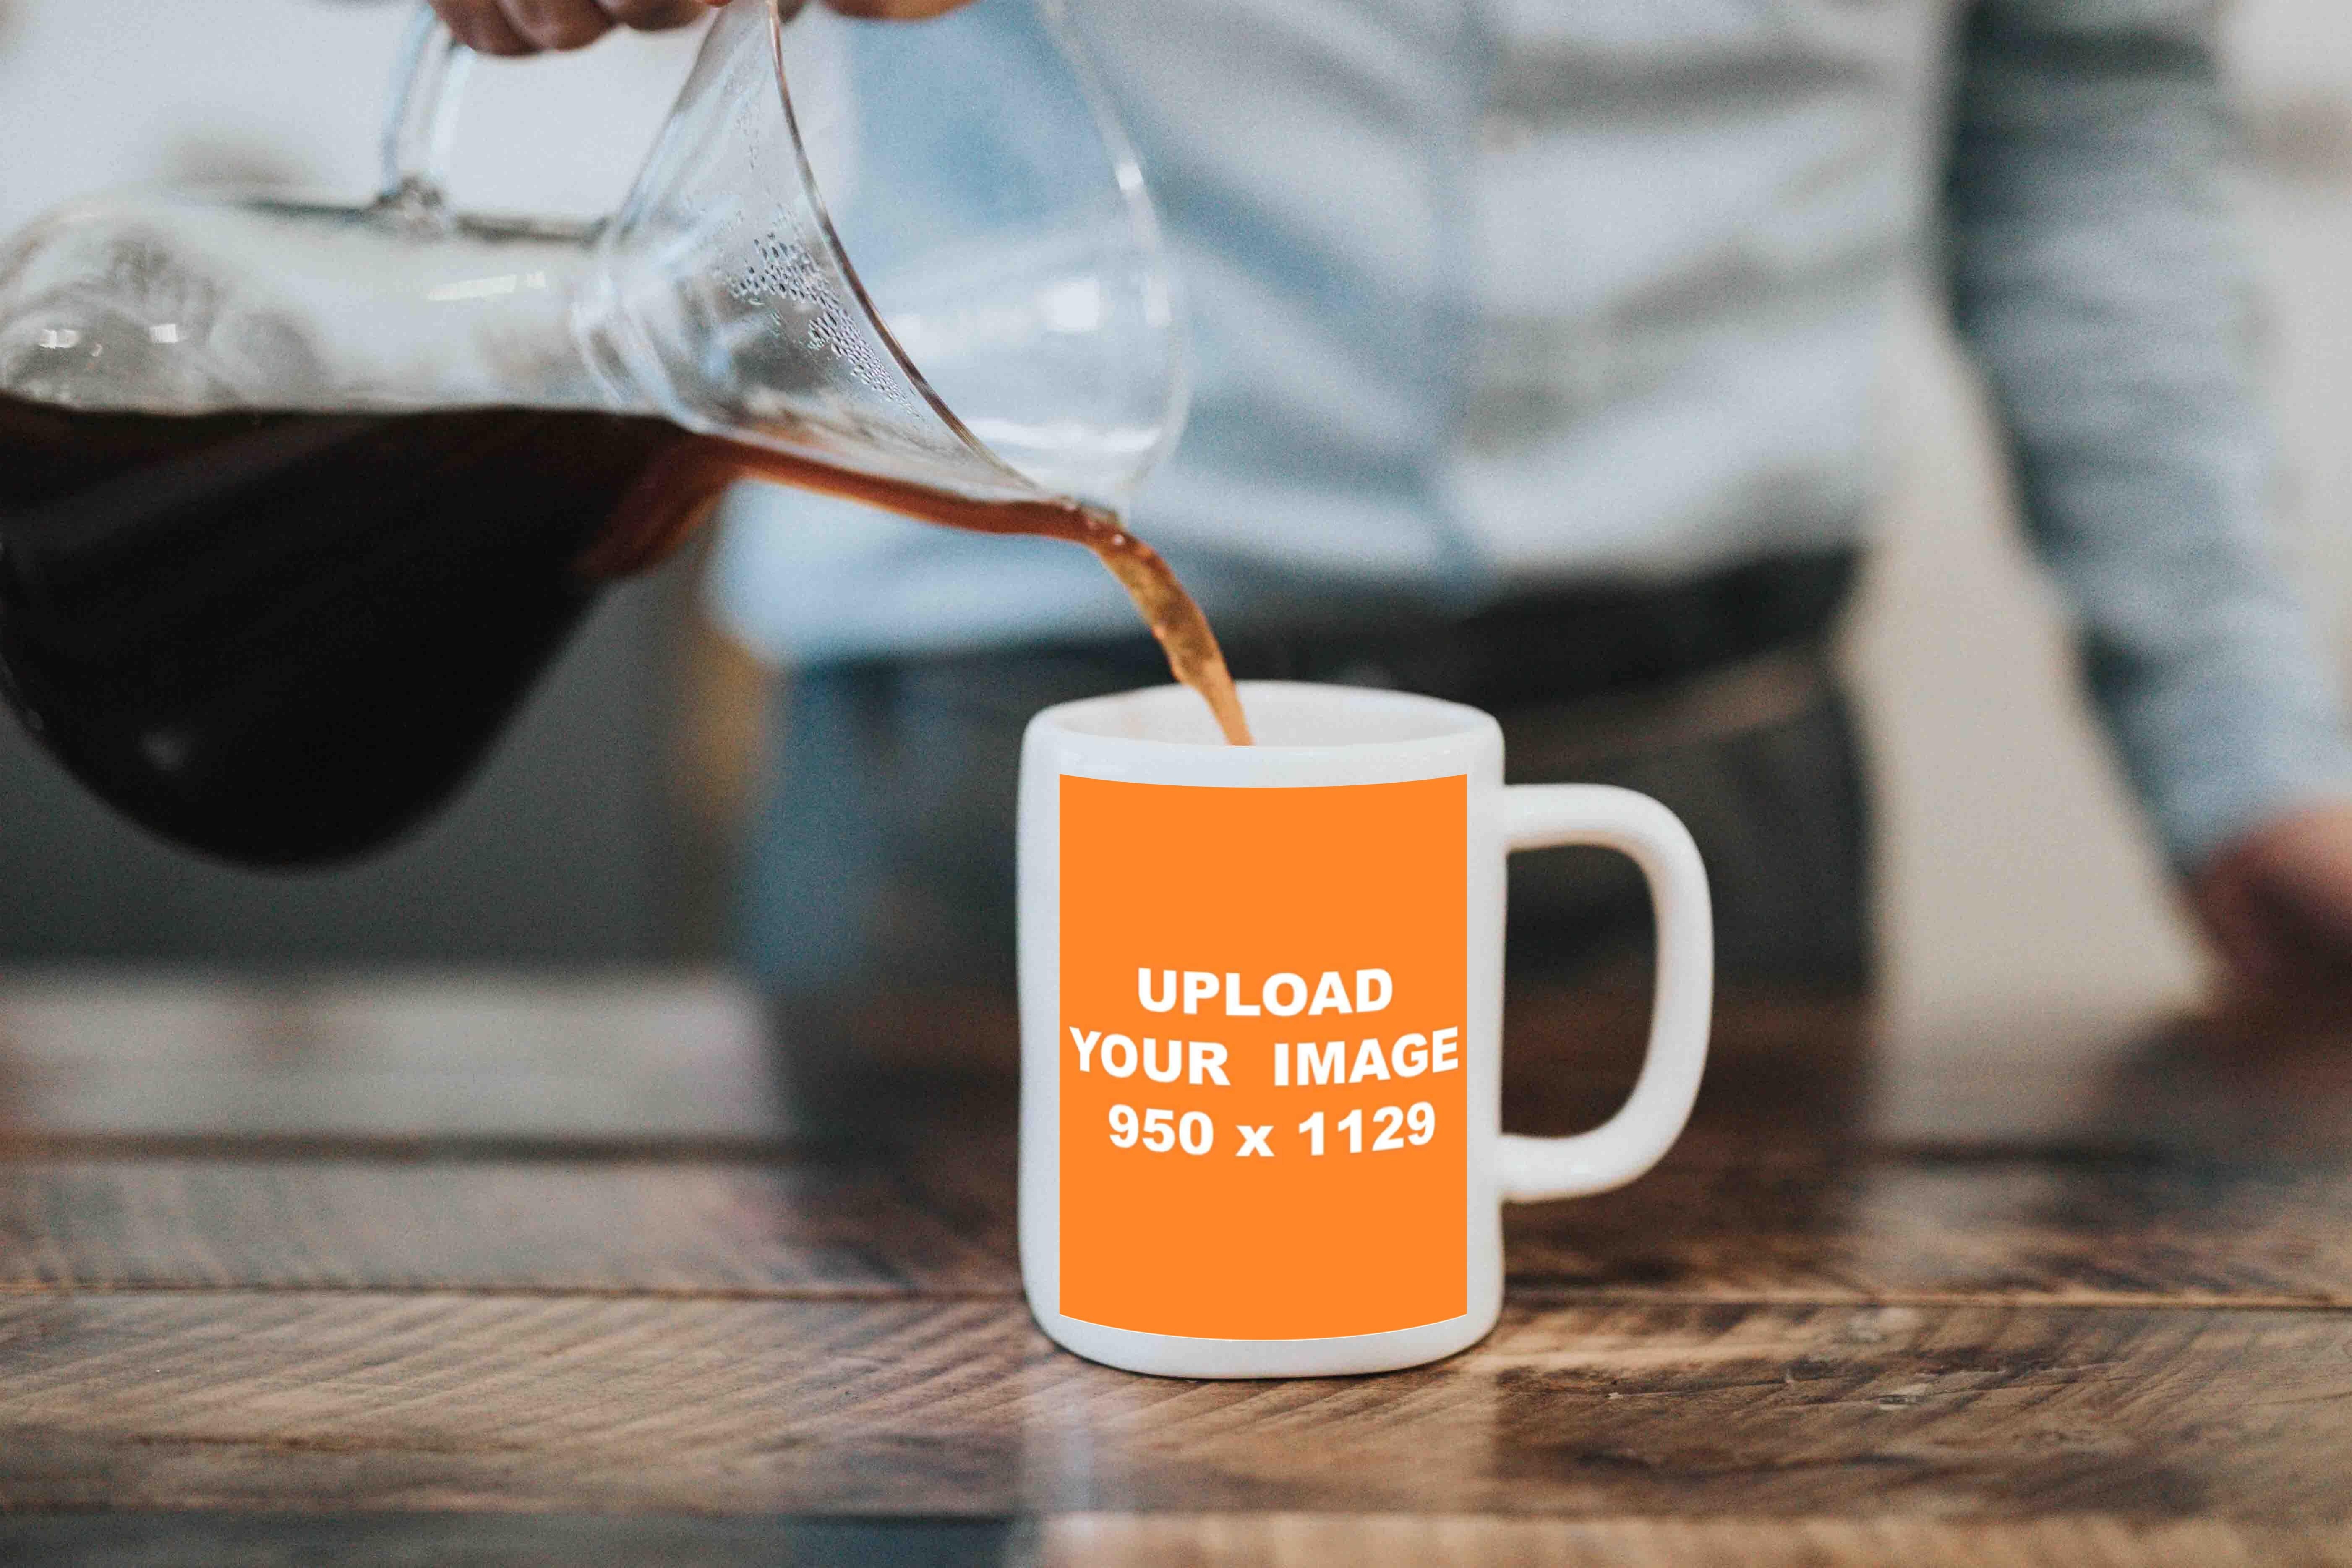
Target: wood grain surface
[(1155, 1541), (136, 1539), (661, 1063), (1891, 1228), (1278, 1540), (645, 1404), (1873, 1229), (654, 1058), (713, 1228), (500, 1272)]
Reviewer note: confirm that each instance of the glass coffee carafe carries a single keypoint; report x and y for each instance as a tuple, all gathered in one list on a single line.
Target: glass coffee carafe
[(297, 500)]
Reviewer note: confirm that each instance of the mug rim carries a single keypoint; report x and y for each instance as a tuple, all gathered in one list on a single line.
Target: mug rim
[(1142, 718)]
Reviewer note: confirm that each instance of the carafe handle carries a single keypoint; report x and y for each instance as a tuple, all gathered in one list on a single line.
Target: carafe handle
[(425, 91)]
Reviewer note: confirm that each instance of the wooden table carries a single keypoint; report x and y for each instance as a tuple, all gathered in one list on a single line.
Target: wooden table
[(480, 1272)]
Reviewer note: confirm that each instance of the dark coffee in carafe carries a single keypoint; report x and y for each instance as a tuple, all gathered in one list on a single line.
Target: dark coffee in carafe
[(285, 638)]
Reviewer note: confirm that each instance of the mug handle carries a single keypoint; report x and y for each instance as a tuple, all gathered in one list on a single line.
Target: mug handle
[(1546, 816)]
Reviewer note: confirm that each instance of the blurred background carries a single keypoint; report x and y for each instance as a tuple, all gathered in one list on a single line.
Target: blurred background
[(2013, 878)]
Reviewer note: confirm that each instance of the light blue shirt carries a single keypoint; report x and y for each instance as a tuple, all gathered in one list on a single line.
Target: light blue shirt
[(1488, 297)]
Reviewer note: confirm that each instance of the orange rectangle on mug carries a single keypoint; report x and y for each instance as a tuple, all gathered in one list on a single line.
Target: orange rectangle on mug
[(1263, 1058)]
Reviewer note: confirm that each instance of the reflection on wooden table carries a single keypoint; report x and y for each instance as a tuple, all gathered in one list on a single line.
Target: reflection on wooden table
[(477, 1272)]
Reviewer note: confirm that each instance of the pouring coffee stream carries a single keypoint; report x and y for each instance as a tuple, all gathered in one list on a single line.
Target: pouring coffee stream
[(274, 575), (677, 491)]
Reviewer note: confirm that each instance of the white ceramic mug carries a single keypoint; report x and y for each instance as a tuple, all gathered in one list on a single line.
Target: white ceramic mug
[(1261, 1015)]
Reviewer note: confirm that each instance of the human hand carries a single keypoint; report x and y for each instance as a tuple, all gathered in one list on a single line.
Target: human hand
[(2277, 904), (529, 27)]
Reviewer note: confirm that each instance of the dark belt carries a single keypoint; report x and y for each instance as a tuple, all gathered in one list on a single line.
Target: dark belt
[(1562, 644), (1558, 647)]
